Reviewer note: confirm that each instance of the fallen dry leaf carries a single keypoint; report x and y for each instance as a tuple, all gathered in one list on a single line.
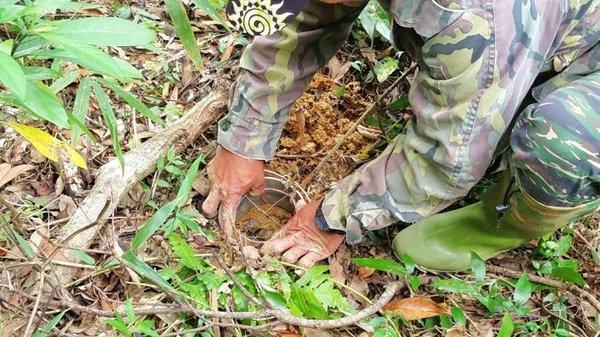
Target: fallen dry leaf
[(365, 272), (414, 308), (455, 333), (9, 172)]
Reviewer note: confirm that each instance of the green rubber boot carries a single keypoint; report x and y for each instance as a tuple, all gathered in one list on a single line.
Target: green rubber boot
[(505, 218)]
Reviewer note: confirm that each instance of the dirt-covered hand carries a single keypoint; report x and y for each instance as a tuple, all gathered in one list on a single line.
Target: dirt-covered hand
[(301, 240), (231, 177)]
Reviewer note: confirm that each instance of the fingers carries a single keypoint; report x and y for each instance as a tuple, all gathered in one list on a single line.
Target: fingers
[(228, 213), (211, 204), (310, 259), (280, 243), (293, 254)]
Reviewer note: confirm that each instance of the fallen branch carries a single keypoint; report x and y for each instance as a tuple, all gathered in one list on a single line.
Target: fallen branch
[(277, 314), (113, 183), (572, 288)]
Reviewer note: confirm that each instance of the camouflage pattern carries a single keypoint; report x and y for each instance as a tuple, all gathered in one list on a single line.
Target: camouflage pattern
[(556, 145), (478, 59)]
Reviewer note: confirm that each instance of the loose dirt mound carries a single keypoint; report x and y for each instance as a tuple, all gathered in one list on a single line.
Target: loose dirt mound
[(317, 121)]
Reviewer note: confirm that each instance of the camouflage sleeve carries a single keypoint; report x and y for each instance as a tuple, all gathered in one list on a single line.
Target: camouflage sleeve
[(474, 73), (275, 72)]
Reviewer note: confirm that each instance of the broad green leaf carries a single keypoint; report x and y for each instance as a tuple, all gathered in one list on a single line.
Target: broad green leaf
[(81, 105), (153, 224), (145, 270), (304, 299), (110, 120), (73, 6), (6, 46), (119, 324), (477, 266), (400, 103), (49, 6), (11, 12), (507, 328), (82, 256), (29, 45), (50, 325), (375, 18), (386, 265), (132, 101), (50, 147), (213, 9), (522, 290), (88, 56), (183, 28), (39, 73), (147, 328), (43, 103), (12, 76), (184, 252), (104, 31)]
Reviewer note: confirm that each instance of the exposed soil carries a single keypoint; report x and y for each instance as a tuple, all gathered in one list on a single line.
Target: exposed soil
[(317, 121), (262, 221)]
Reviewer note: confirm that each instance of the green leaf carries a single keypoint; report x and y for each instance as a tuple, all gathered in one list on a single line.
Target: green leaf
[(88, 56), (129, 310), (386, 265), (23, 244), (11, 12), (50, 325), (212, 8), (104, 31), (305, 300), (132, 101), (110, 120), (82, 256), (119, 324), (43, 103), (386, 67), (188, 181), (507, 328), (314, 276), (401, 103), (275, 299), (64, 81), (12, 76), (184, 252), (477, 266), (81, 105), (374, 18), (145, 270), (458, 316), (522, 290), (454, 286), (183, 28), (147, 327), (568, 274), (153, 224)]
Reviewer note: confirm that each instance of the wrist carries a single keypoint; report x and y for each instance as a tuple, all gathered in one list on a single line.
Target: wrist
[(321, 222)]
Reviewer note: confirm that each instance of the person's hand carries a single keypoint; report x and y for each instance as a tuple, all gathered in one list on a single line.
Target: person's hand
[(231, 177), (301, 240)]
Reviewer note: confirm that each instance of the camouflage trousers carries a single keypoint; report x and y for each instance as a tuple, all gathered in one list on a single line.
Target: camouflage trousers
[(554, 151)]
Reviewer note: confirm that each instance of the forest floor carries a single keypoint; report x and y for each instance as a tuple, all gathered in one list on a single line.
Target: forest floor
[(491, 300)]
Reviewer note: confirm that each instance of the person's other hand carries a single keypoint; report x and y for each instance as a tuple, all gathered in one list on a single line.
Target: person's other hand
[(301, 240), (231, 177)]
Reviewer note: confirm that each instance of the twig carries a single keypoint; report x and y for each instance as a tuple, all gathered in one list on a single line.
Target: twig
[(374, 107), (226, 325), (36, 304), (236, 282), (549, 312), (549, 282)]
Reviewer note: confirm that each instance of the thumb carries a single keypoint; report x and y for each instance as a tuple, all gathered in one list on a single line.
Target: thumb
[(211, 204), (228, 213)]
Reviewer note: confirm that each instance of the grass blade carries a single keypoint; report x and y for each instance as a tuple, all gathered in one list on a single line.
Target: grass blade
[(110, 120), (183, 28), (132, 101)]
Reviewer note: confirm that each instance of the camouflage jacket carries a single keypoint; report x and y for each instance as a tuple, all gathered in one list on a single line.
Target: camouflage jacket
[(477, 61)]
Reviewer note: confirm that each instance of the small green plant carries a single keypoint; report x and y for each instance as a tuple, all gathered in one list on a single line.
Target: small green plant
[(40, 57)]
